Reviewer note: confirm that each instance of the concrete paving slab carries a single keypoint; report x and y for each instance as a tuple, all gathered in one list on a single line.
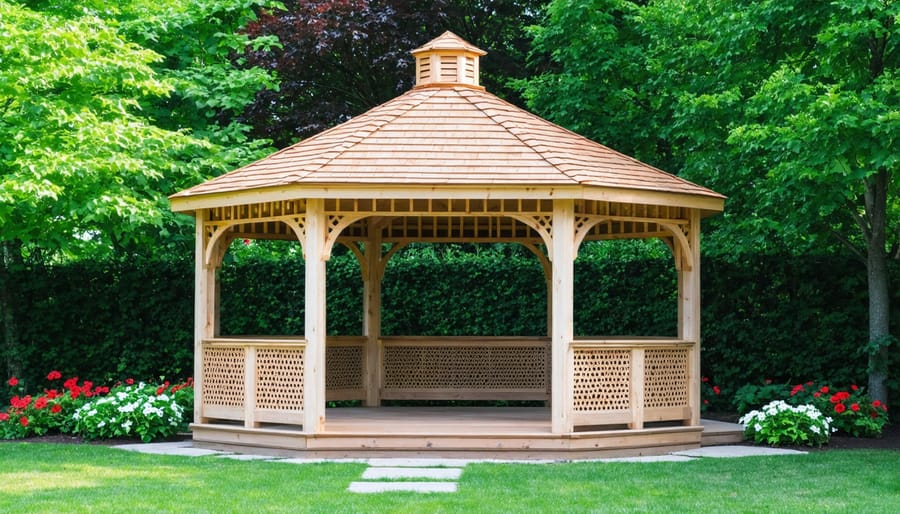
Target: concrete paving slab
[(432, 473), (736, 451), (182, 448), (419, 463), (416, 487)]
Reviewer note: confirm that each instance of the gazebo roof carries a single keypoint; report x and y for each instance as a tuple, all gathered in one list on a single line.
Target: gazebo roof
[(446, 132)]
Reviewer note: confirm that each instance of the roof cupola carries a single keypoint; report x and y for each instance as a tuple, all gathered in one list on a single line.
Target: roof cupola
[(447, 60)]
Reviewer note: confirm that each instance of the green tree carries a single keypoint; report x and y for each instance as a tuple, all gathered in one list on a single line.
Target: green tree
[(790, 108), (97, 130)]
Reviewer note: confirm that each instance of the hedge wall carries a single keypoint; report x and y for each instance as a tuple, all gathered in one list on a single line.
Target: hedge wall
[(778, 318)]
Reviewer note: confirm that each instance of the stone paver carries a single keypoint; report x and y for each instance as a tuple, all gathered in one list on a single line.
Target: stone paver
[(418, 463), (736, 451), (417, 487), (432, 473)]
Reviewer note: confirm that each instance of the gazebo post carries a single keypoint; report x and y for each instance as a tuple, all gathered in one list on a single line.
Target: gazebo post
[(205, 325), (563, 265), (689, 311), (372, 313), (315, 320)]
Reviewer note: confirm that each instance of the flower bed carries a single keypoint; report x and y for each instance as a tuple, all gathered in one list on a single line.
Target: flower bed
[(128, 409)]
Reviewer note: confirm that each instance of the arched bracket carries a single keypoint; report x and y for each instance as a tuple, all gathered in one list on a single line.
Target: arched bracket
[(681, 248), (361, 253), (583, 225), (543, 225), (336, 224), (216, 230)]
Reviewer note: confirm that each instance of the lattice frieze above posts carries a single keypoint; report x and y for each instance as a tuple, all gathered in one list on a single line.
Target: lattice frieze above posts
[(220, 233), (542, 224)]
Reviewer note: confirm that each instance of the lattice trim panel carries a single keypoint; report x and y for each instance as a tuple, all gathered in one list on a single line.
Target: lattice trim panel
[(601, 380), (456, 369), (344, 367), (223, 379), (279, 379), (666, 374)]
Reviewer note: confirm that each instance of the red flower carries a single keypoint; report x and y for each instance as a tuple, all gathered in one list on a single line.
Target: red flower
[(705, 402), (54, 375), (160, 390), (4, 416), (246, 242), (23, 421), (854, 387), (20, 403), (40, 403), (817, 394), (876, 403), (716, 390), (809, 383), (13, 381), (129, 381), (56, 408), (874, 414), (854, 407), (704, 379), (835, 399), (52, 394), (71, 383), (824, 389), (768, 381), (797, 388), (839, 408)]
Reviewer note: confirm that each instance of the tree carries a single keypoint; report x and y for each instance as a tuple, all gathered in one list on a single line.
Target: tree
[(97, 130), (789, 108), (337, 59)]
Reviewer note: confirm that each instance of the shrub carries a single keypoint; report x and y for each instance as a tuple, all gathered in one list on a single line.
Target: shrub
[(147, 411), (778, 423), (854, 413), (753, 396), (92, 411)]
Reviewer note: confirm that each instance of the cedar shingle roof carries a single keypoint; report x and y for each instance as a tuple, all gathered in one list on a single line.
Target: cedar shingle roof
[(447, 134)]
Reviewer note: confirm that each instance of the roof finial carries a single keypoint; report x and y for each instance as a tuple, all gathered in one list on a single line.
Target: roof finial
[(447, 60)]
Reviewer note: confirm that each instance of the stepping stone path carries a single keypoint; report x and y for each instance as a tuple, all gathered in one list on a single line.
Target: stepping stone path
[(428, 476)]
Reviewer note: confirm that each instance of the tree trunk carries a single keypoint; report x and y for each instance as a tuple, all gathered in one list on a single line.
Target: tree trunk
[(879, 285), (10, 259)]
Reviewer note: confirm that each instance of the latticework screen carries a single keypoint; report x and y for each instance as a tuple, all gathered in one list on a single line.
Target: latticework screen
[(344, 367), (666, 377), (279, 378), (437, 368), (223, 376), (602, 380)]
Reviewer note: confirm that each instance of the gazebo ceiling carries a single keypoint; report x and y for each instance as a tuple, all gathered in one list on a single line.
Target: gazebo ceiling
[(447, 134)]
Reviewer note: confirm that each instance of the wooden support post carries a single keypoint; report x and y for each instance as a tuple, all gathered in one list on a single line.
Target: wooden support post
[(637, 389), (204, 308), (563, 266), (689, 313), (314, 358), (250, 388), (372, 314)]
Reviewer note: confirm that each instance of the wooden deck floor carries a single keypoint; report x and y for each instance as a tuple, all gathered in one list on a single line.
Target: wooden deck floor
[(463, 432)]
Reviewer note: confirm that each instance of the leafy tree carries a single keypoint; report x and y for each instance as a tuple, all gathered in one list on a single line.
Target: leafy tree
[(97, 130), (337, 59), (790, 108)]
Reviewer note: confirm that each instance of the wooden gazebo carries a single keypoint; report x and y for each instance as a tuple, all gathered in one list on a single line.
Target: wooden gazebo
[(447, 162)]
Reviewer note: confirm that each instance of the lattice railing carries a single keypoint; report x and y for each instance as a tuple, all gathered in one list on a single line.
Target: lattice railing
[(465, 368), (630, 382), (253, 380), (345, 366)]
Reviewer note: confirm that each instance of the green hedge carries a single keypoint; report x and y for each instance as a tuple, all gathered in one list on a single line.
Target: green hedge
[(779, 318)]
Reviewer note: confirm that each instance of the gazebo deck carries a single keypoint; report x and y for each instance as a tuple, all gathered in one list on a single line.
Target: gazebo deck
[(459, 432)]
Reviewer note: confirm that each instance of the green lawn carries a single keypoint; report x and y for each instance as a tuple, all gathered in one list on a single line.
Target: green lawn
[(85, 478)]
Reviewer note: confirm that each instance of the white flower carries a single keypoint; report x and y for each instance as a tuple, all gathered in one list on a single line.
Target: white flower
[(127, 426), (757, 427), (101, 424), (815, 429)]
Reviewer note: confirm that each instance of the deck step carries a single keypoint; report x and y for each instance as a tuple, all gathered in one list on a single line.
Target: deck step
[(718, 433)]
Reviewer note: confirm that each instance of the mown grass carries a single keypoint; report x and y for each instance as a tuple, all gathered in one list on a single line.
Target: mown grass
[(85, 478)]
